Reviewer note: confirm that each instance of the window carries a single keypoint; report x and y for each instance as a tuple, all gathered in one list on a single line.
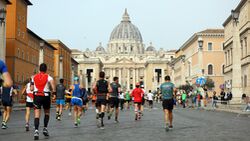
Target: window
[(241, 47), (27, 56), (226, 58), (23, 55), (18, 52), (245, 80), (210, 69), (245, 40), (210, 46)]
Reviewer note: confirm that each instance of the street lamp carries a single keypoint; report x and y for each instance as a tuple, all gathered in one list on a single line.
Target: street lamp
[(183, 58), (61, 57), (61, 66), (235, 15), (200, 42), (2, 15)]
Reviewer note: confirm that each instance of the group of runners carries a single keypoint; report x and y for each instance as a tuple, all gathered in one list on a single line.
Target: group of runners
[(41, 88)]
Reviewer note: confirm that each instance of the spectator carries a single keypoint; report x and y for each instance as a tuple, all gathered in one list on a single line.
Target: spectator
[(215, 98)]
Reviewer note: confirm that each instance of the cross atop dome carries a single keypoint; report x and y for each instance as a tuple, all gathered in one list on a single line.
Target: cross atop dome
[(125, 17)]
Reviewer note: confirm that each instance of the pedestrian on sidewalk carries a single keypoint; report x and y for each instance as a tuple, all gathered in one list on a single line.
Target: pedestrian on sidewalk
[(215, 99), (60, 98), (29, 102), (41, 84), (167, 90)]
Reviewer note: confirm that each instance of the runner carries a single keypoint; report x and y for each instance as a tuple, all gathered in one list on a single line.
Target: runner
[(150, 99), (7, 94), (93, 97), (137, 94), (76, 101), (127, 100), (101, 88), (68, 106), (121, 98), (84, 100), (41, 83), (29, 102), (7, 81), (60, 98), (114, 100), (167, 91), (143, 99)]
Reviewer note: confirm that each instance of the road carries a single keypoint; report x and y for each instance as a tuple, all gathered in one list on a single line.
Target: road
[(189, 124)]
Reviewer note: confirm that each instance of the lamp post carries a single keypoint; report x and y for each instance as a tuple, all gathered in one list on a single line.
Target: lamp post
[(73, 74), (2, 34), (61, 66), (41, 52), (200, 55), (236, 60)]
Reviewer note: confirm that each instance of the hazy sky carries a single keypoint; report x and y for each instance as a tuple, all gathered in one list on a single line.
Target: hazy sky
[(82, 24)]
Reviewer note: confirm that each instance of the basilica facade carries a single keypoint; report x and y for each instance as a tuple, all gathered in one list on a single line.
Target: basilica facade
[(125, 57)]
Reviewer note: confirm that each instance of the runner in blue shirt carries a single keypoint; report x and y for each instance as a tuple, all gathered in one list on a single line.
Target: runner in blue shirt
[(5, 75)]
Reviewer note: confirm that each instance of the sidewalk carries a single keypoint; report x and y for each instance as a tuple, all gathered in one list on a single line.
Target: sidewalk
[(231, 109)]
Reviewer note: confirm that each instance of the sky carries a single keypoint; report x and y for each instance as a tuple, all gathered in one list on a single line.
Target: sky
[(82, 24)]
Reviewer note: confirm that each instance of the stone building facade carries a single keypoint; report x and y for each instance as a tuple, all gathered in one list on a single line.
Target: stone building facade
[(126, 58), (237, 50)]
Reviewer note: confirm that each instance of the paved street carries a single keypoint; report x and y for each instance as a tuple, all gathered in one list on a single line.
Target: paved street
[(189, 124)]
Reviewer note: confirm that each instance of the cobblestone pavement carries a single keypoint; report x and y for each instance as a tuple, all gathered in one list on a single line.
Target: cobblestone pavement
[(189, 124)]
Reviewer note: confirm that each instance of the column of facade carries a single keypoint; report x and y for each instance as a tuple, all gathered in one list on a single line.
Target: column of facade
[(236, 62), (134, 81), (120, 75), (128, 78), (162, 76), (86, 79), (137, 73), (145, 78)]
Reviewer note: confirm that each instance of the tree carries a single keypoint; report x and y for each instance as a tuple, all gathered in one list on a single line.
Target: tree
[(209, 83)]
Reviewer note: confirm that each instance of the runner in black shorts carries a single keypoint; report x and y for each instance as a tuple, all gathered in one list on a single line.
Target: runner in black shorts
[(40, 86), (7, 93), (29, 102), (101, 88), (114, 98), (167, 91)]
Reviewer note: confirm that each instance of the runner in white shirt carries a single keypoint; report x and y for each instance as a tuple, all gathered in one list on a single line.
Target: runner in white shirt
[(150, 99), (29, 102), (122, 99)]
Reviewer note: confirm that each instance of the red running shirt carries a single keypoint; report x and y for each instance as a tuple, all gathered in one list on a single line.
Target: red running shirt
[(137, 93), (41, 84)]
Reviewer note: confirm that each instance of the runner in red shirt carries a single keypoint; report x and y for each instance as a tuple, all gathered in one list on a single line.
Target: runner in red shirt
[(40, 85), (137, 93)]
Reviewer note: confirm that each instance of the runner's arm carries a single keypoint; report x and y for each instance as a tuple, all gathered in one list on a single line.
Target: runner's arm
[(109, 88), (23, 90), (94, 88), (52, 84), (7, 79)]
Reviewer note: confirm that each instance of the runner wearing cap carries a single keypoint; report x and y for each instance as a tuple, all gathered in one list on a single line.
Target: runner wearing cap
[(76, 100), (137, 94)]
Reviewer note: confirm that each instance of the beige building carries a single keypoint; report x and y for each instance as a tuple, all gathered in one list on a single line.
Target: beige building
[(126, 58), (200, 56), (62, 62), (237, 51)]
